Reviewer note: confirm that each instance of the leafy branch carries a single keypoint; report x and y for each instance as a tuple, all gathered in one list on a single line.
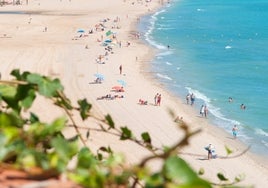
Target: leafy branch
[(29, 144)]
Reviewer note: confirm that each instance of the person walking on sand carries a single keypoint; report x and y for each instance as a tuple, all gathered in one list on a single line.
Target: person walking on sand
[(120, 69), (234, 131), (159, 100)]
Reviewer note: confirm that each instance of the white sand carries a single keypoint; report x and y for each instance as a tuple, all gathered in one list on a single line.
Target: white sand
[(60, 53)]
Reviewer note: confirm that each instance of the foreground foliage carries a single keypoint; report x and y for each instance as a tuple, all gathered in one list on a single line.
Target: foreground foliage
[(41, 150)]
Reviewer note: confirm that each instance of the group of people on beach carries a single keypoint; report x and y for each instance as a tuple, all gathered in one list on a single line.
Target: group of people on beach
[(204, 110), (211, 149), (190, 99)]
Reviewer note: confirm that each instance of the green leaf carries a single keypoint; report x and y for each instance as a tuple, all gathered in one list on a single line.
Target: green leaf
[(84, 108), (27, 98), (11, 119), (126, 133), (106, 149), (8, 91), (181, 173), (63, 102), (228, 150), (99, 156), (57, 125), (42, 132), (240, 177), (177, 169), (16, 73), (201, 171), (27, 159), (103, 149), (66, 150), (146, 137), (85, 158), (8, 94), (155, 181), (222, 177), (46, 87), (110, 121), (33, 118)]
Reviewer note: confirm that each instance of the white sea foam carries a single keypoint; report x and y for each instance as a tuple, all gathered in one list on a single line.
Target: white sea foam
[(165, 53), (168, 63), (228, 47), (215, 111), (265, 143), (148, 36), (200, 10), (261, 132), (163, 76), (165, 28), (198, 95)]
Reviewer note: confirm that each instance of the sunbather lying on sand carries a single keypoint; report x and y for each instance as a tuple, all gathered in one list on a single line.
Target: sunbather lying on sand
[(110, 97), (143, 102)]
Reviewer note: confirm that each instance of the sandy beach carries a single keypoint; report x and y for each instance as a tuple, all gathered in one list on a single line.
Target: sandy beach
[(54, 38)]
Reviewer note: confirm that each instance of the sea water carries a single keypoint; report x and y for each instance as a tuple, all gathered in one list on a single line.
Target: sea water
[(216, 50)]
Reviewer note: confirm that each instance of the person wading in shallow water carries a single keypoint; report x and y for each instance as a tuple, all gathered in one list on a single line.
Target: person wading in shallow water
[(234, 131), (192, 99), (206, 111)]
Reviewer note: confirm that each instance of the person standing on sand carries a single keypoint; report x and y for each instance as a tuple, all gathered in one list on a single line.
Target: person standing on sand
[(155, 99), (188, 96), (234, 131), (120, 69), (159, 100), (202, 110), (209, 149)]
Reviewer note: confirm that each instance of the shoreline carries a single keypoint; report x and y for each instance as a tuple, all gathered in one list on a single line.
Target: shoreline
[(238, 145), (259, 159), (76, 71)]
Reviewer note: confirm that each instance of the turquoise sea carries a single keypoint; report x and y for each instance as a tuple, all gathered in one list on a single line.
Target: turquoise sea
[(217, 49)]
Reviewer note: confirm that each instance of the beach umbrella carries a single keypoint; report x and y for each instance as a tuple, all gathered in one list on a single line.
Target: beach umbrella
[(122, 82), (80, 31), (108, 41), (109, 33), (116, 87), (100, 76)]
